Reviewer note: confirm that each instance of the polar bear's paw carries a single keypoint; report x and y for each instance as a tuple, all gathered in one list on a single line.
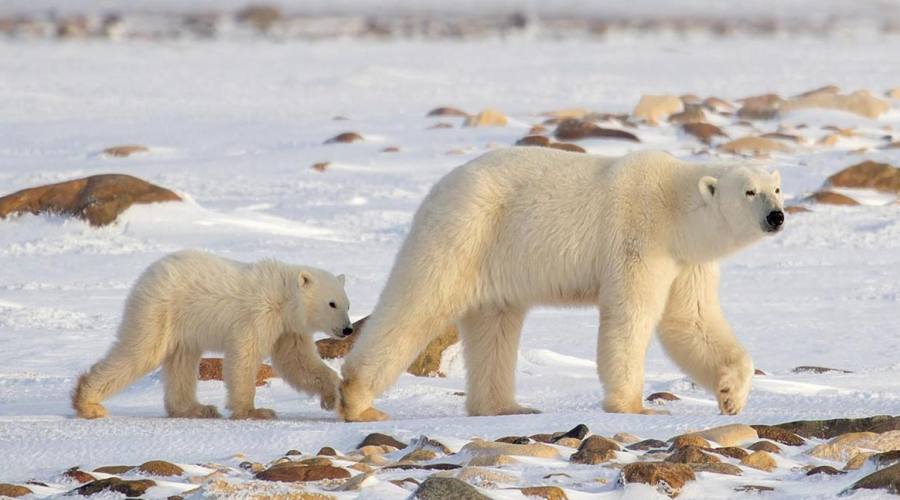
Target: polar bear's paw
[(732, 391), (256, 414), (518, 410), (330, 394), (91, 410), (204, 411), (370, 414)]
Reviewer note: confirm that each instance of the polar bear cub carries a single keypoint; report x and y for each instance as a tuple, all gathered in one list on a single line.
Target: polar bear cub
[(191, 302)]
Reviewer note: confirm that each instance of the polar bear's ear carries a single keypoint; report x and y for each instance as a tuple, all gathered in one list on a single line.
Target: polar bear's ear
[(341, 279), (707, 186), (305, 279), (777, 176)]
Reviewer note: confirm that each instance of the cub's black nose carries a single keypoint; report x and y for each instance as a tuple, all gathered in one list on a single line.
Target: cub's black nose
[(775, 218), (347, 330)]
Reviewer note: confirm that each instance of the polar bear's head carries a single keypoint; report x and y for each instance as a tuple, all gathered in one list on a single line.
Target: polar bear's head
[(749, 200), (323, 302)]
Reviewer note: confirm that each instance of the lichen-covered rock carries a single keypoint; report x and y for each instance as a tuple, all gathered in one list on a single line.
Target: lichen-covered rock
[(730, 451), (545, 492), (668, 478), (98, 199), (760, 460), (778, 434), (887, 479), (13, 490), (691, 439), (595, 450), (442, 488), (691, 455), (131, 488), (827, 429), (480, 447), (160, 468), (717, 468)]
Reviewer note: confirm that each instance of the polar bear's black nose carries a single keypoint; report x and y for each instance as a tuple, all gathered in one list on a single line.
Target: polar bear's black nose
[(775, 218), (347, 330)]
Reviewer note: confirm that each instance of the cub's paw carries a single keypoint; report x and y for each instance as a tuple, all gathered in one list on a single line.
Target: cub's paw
[(732, 390), (197, 411), (91, 410), (518, 410), (255, 414)]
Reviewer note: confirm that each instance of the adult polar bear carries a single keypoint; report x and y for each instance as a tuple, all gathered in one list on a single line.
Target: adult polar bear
[(638, 237)]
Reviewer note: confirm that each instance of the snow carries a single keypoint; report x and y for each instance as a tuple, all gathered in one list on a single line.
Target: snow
[(235, 128)]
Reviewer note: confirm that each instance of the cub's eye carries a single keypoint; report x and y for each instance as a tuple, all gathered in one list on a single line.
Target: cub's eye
[(332, 305), (751, 193), (777, 190)]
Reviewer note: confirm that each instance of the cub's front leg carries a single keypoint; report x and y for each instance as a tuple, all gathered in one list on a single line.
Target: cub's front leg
[(297, 360)]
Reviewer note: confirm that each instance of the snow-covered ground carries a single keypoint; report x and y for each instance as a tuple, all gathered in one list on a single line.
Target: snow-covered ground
[(235, 127)]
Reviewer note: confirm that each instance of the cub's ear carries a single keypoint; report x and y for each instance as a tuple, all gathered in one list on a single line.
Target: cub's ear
[(341, 279), (777, 176), (305, 279), (707, 187)]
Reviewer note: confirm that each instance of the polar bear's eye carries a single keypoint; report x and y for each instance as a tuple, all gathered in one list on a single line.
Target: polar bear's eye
[(332, 305), (777, 190), (751, 193)]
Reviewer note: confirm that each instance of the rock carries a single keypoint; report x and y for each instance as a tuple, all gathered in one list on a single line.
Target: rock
[(831, 198), (440, 125), (766, 446), (595, 450), (861, 103), (78, 475), (571, 129), (378, 439), (753, 488), (98, 199), (717, 468), (542, 438), (691, 114), (577, 432), (114, 469), (754, 146), (320, 166), (13, 490), (480, 447), (487, 118), (428, 364), (420, 455), (827, 429), (886, 479), (691, 455), (569, 442), (537, 130), (668, 478), (858, 460), (662, 396), (718, 105), (533, 140), (731, 451), (691, 439), (546, 492), (868, 174), (705, 132), (893, 93), (294, 472), (371, 450), (730, 435), (361, 467), (760, 460), (844, 446), (781, 136), (656, 108), (567, 113), (778, 435), (125, 150), (492, 461), (441, 488), (212, 369), (886, 458), (261, 17), (291, 453), (355, 482), (796, 209), (515, 440), (818, 369), (483, 475), (345, 138), (761, 107), (757, 371), (131, 488), (690, 99), (647, 444), (160, 468), (626, 438), (446, 111), (327, 451), (565, 146), (315, 461), (824, 469), (391, 149), (826, 90)]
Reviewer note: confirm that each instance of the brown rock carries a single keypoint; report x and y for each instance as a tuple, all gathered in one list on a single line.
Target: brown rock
[(98, 199), (440, 125), (595, 450), (846, 445), (857, 461), (626, 438), (261, 17), (730, 435), (315, 461), (754, 146), (730, 451), (691, 455), (420, 455), (571, 129), (391, 149), (662, 396), (327, 451), (795, 209), (345, 137), (647, 444), (515, 440), (757, 371), (705, 132), (718, 105), (533, 140), (753, 488), (567, 113), (114, 469), (818, 369), (668, 478), (826, 90), (569, 442), (868, 174), (827, 429), (766, 446), (378, 439), (537, 130), (690, 99), (13, 490), (131, 488), (691, 114), (718, 468), (760, 460), (580, 431), (886, 479), (440, 488), (321, 166), (547, 492), (831, 198), (78, 475), (487, 118), (565, 146), (691, 439), (761, 107), (294, 472), (824, 469), (160, 468), (656, 108), (212, 369), (782, 136), (886, 458), (893, 93), (446, 111), (542, 438), (125, 151)]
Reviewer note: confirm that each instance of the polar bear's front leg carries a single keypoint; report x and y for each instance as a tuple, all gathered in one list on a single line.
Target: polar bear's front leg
[(696, 335), (296, 359), (240, 366), (490, 339), (629, 311)]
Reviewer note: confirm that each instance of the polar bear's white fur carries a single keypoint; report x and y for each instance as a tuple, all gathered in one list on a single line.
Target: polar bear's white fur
[(191, 302), (638, 237)]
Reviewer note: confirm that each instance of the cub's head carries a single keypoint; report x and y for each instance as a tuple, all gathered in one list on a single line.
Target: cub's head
[(748, 198), (324, 302)]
